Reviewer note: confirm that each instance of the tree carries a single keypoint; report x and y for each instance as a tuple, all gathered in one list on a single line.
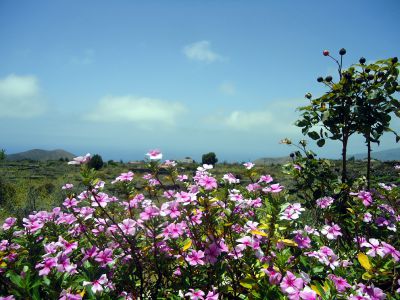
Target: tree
[(2, 154), (360, 102), (209, 158), (96, 162)]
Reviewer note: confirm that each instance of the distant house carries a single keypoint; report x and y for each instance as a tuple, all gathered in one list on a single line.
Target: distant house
[(186, 160)]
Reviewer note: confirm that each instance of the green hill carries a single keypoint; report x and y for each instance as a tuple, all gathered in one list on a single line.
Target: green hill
[(41, 155)]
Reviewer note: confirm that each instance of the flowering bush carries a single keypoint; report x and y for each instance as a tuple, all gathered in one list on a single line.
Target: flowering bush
[(204, 238)]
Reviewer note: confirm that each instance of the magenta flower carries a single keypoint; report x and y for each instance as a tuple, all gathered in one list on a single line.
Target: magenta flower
[(208, 182), (128, 226), (154, 154), (389, 249), (67, 295), (230, 178), (331, 232), (124, 177), (46, 266), (195, 294), (97, 285), (80, 160), (290, 283), (340, 283), (9, 222), (195, 258), (149, 212), (265, 179), (292, 212), (375, 248), (324, 202), (67, 186), (273, 188), (104, 257), (308, 294), (365, 196), (249, 165)]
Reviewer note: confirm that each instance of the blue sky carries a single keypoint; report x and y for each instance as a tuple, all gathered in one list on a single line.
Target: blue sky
[(188, 77)]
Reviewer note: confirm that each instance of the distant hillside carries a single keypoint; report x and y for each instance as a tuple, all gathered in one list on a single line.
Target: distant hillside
[(265, 161), (41, 155), (384, 155)]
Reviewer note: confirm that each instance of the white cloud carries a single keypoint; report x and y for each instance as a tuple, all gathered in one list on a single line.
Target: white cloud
[(201, 51), (86, 58), (20, 97), (145, 112), (227, 88), (276, 118)]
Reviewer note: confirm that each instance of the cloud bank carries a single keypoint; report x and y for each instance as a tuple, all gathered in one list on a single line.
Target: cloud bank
[(139, 110), (20, 97)]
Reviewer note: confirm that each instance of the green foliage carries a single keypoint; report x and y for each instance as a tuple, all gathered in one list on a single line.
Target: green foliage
[(2, 154), (96, 162), (209, 158), (362, 101)]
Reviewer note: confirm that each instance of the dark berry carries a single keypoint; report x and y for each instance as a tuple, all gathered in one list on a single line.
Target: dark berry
[(320, 79), (342, 51), (394, 83), (367, 70), (370, 77), (308, 95), (380, 74), (328, 78), (395, 60), (359, 80), (310, 156), (325, 52), (347, 75), (362, 60), (291, 155)]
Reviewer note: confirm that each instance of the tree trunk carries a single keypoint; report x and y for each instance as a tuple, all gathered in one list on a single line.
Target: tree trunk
[(369, 163), (344, 158)]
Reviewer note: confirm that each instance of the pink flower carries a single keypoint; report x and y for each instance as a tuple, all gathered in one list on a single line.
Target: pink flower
[(67, 295), (80, 160), (292, 212), (104, 257), (331, 232), (324, 202), (154, 154), (274, 188), (67, 186), (128, 226), (375, 246), (46, 266), (308, 294), (291, 281), (274, 276), (70, 202), (195, 295), (208, 182), (124, 177), (340, 283), (149, 213), (365, 196), (97, 285), (11, 297), (249, 165), (265, 179), (9, 222), (195, 258), (229, 177)]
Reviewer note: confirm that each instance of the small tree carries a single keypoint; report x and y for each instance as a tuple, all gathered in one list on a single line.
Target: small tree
[(96, 162), (209, 158), (2, 154), (360, 102)]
